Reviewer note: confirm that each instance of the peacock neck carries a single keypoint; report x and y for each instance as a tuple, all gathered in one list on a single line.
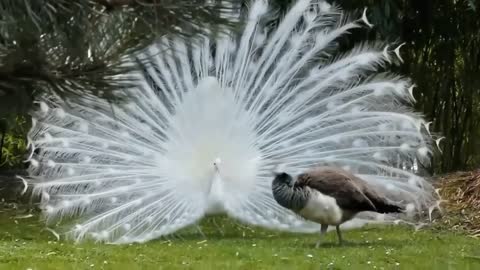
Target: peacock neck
[(214, 199)]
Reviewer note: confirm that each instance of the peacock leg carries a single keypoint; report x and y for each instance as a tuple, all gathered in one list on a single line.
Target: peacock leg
[(323, 230), (201, 231), (218, 227)]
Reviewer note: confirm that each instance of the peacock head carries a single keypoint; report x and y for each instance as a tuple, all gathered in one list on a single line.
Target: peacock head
[(216, 164)]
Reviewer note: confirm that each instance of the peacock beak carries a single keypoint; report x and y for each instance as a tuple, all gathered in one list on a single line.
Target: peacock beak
[(216, 163)]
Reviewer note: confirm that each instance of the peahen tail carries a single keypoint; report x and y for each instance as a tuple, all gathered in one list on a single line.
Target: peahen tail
[(385, 207)]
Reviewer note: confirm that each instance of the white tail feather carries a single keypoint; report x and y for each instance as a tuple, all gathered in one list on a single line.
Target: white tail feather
[(146, 168)]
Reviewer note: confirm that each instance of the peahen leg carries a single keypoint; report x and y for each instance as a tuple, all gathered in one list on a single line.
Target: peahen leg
[(339, 234), (323, 230)]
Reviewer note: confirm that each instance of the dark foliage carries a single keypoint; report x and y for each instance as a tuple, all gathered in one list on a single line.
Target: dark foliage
[(68, 48), (442, 55)]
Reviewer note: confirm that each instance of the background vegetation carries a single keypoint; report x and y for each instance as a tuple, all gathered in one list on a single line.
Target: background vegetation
[(441, 53)]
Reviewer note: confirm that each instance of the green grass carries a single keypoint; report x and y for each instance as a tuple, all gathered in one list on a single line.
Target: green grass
[(24, 245)]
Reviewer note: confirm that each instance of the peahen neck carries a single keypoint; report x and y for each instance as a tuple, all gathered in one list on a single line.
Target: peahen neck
[(293, 198)]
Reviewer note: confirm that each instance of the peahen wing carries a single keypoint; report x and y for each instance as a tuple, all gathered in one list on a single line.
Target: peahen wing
[(348, 195)]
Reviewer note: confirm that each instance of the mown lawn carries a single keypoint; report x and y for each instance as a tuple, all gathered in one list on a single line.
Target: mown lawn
[(24, 245)]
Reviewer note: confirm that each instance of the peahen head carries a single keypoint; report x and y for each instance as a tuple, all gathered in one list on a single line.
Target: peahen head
[(283, 179)]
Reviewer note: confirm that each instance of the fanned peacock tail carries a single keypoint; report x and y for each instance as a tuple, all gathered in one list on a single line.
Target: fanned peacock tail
[(134, 172)]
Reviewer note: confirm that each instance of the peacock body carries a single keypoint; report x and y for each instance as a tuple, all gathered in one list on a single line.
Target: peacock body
[(203, 129)]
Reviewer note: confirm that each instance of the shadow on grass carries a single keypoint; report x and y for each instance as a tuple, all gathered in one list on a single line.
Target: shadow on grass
[(232, 236), (354, 244)]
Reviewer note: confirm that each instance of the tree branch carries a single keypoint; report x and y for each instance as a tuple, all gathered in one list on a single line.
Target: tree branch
[(111, 4), (4, 131), (75, 47)]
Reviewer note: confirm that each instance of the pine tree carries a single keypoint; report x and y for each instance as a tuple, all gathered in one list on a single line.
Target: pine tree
[(67, 48)]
